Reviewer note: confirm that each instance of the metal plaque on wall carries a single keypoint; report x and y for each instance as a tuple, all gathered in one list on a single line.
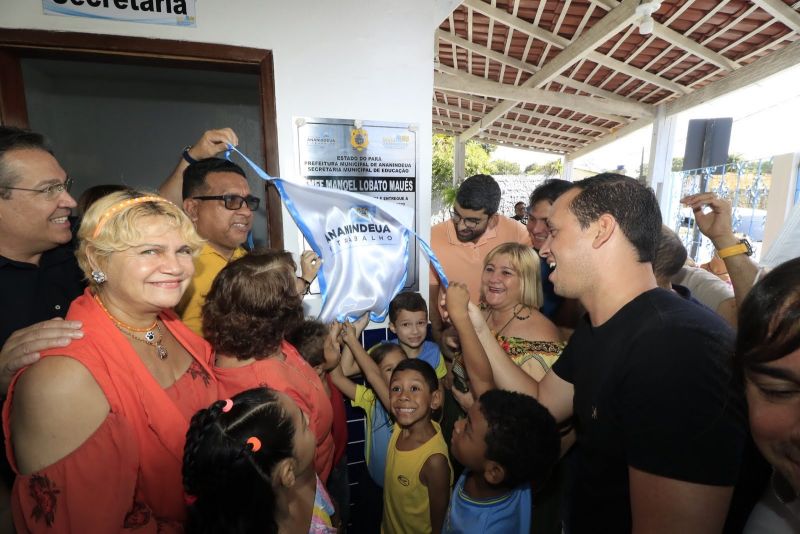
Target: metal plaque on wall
[(377, 159)]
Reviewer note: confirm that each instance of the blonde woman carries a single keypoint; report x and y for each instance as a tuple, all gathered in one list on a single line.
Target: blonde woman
[(511, 295), (96, 429)]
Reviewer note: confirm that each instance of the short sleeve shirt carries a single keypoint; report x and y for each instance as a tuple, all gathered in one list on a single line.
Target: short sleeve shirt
[(463, 262), (207, 266), (653, 390)]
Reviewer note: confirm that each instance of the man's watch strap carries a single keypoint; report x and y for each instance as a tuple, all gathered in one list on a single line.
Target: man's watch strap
[(742, 247), (187, 157)]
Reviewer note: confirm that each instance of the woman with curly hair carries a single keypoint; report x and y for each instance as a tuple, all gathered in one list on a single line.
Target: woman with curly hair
[(252, 305)]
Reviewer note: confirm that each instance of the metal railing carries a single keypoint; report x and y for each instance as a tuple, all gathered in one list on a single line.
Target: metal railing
[(745, 184)]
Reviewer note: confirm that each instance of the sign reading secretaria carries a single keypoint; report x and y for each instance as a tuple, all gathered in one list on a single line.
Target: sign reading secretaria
[(169, 12)]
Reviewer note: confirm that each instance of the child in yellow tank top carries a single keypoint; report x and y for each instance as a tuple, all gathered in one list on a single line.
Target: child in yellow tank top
[(418, 475)]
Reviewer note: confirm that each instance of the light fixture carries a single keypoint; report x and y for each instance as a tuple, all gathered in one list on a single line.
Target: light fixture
[(644, 12)]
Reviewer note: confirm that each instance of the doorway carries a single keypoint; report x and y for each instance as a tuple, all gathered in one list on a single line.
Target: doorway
[(121, 109)]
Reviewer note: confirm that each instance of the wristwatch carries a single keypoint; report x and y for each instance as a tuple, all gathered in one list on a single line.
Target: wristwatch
[(189, 159), (742, 247)]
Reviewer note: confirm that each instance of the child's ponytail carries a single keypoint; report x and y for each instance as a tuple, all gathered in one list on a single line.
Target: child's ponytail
[(231, 450)]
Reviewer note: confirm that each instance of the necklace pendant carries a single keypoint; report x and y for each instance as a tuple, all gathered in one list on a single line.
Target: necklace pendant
[(162, 352), (150, 336)]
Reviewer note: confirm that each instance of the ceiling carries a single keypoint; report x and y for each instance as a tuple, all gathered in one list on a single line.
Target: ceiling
[(569, 76)]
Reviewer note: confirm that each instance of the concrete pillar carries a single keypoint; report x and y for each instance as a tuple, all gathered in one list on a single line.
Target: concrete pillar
[(568, 166), (659, 173), (459, 156), (781, 196)]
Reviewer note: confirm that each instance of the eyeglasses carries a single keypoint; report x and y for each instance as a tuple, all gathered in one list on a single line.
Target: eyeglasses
[(234, 202), (469, 222), (51, 191)]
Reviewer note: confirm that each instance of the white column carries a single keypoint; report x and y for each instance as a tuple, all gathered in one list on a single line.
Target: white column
[(459, 154), (781, 196), (568, 166), (659, 174)]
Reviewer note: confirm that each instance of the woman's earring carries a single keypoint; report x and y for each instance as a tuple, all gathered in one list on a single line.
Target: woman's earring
[(98, 276)]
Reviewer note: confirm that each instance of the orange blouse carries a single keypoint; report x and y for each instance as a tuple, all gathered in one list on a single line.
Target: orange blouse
[(297, 379), (127, 474)]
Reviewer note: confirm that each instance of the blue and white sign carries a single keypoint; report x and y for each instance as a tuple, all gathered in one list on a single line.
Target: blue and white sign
[(168, 12), (364, 243)]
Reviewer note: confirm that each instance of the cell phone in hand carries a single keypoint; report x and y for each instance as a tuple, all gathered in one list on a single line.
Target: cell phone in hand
[(460, 380)]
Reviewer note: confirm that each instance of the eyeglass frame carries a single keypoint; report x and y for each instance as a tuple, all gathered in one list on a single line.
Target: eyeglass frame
[(229, 197), (470, 223), (51, 191)]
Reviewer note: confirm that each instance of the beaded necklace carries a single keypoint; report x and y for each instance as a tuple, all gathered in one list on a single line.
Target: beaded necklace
[(152, 334)]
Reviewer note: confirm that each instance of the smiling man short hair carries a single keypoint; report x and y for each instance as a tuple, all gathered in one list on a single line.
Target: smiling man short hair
[(217, 198), (39, 276)]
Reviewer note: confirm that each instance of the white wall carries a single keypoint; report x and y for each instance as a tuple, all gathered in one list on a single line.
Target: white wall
[(345, 59)]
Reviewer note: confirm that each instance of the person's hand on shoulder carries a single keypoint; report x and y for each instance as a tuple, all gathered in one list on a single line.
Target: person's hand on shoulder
[(24, 346)]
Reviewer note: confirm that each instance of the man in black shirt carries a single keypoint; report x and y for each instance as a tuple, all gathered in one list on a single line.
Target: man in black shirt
[(39, 276), (661, 430)]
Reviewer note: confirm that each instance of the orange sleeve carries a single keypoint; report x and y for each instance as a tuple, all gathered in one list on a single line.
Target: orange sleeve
[(93, 489)]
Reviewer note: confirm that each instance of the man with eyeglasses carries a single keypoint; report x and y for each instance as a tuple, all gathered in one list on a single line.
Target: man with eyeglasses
[(39, 275), (217, 198), (462, 242)]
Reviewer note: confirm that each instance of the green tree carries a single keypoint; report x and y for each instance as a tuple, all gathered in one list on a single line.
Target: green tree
[(551, 169), (501, 167), (677, 164), (476, 161)]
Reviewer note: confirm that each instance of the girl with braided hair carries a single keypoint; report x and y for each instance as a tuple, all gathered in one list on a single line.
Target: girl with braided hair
[(248, 467)]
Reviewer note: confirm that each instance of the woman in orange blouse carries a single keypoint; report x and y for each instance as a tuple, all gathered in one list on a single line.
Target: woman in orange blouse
[(96, 430)]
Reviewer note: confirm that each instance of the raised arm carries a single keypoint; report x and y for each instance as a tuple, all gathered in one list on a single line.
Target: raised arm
[(211, 143), (344, 384), (348, 363), (370, 369), (552, 392), (475, 360), (716, 225)]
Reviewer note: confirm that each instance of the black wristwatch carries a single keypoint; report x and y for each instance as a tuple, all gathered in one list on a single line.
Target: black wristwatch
[(188, 158)]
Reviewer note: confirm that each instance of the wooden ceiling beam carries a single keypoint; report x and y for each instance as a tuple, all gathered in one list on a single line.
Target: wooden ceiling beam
[(780, 11), (527, 67), (611, 110)]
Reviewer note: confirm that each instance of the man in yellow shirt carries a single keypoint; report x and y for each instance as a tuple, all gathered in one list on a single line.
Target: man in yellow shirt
[(216, 196)]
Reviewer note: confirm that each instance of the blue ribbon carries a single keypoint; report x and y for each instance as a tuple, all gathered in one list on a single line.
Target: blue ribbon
[(288, 202)]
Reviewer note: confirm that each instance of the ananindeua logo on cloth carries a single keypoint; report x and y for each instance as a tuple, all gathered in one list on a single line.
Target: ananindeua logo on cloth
[(363, 241)]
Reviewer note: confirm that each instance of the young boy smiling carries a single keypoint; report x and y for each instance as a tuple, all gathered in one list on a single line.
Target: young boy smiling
[(418, 473), (408, 320), (507, 442)]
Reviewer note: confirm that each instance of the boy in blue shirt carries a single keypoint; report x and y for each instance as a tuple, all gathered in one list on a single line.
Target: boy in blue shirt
[(507, 442), (408, 320)]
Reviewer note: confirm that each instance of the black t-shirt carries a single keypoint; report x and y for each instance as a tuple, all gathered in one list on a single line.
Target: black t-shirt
[(654, 391), (31, 293)]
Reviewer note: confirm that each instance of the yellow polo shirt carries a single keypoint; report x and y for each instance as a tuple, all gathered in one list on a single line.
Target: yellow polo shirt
[(207, 266)]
